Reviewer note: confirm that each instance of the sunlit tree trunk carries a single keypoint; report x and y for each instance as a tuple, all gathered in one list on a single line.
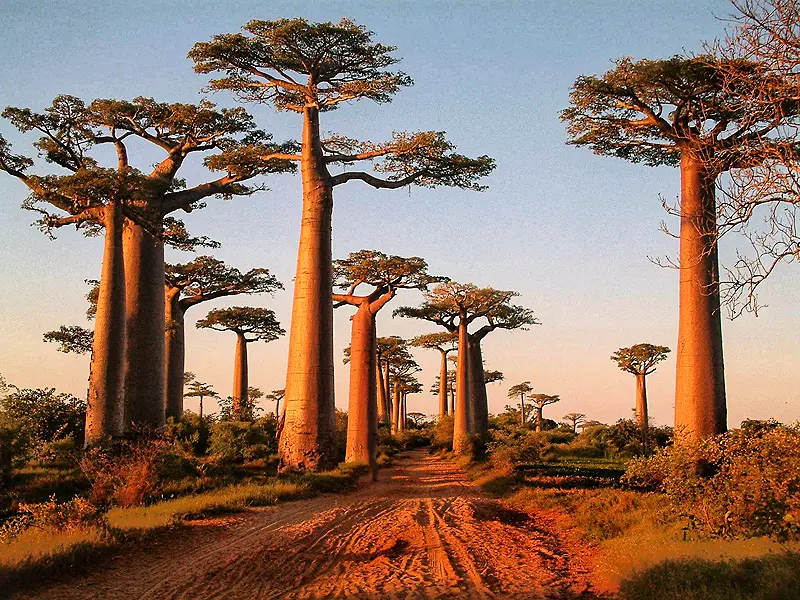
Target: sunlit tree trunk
[(443, 385), (362, 418), (380, 394), (308, 438), (700, 406), (239, 376), (641, 401), (144, 364), (388, 388), (539, 418), (104, 412), (478, 397), (175, 352), (404, 414), (452, 401), (461, 424), (522, 409)]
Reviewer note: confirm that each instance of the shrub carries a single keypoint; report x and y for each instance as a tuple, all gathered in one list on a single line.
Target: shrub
[(442, 438), (191, 432), (745, 482), (239, 441), (52, 515), (58, 453)]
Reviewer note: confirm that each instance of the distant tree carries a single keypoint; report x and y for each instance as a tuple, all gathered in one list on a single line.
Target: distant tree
[(383, 275), (200, 390), (455, 306), (73, 338), (311, 68), (575, 419), (131, 205), (521, 390), (391, 349), (276, 396), (401, 371), (687, 112), (539, 401), (250, 325), (417, 419), (444, 342), (640, 360), (187, 285)]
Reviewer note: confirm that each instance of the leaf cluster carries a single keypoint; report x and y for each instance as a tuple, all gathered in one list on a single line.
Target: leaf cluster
[(256, 324), (640, 359)]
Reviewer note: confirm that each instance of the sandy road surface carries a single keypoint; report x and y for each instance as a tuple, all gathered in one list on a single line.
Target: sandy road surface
[(423, 531)]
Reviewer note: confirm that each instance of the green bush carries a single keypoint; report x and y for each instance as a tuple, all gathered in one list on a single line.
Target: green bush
[(442, 438), (191, 432), (745, 482), (240, 441)]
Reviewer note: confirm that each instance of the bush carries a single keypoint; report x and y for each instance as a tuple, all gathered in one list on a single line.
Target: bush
[(745, 482), (240, 441), (442, 438), (59, 453), (191, 432), (54, 516)]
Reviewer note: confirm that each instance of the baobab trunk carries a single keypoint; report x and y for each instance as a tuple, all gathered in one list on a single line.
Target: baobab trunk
[(175, 353), (478, 397), (461, 423), (308, 438), (539, 418), (380, 394), (700, 407), (239, 377), (396, 409), (443, 385), (641, 401), (452, 401), (362, 417), (144, 365), (403, 415), (387, 387), (104, 411), (522, 409)]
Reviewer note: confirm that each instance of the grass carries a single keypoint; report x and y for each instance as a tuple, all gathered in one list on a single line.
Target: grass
[(38, 551)]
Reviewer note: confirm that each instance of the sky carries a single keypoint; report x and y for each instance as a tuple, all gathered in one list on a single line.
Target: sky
[(575, 234)]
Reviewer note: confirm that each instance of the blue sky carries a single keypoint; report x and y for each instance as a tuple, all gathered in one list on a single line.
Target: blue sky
[(572, 232)]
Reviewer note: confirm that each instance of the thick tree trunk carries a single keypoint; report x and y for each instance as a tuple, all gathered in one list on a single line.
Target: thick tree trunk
[(700, 406), (380, 393), (443, 385), (478, 397), (396, 409), (308, 439), (104, 412), (175, 352), (387, 387), (239, 377), (144, 365), (641, 401), (404, 414), (522, 409), (452, 401), (362, 417), (462, 443), (539, 418)]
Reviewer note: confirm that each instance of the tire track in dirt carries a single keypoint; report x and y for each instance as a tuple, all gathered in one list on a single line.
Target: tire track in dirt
[(423, 531)]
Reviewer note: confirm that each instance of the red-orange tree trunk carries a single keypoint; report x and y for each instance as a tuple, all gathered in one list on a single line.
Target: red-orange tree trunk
[(443, 385), (144, 365), (104, 411), (175, 353), (700, 406), (462, 423), (239, 376), (641, 401), (478, 397), (380, 394), (362, 418), (308, 437)]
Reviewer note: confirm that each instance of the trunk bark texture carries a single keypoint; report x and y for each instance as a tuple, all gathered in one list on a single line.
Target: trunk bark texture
[(104, 412), (380, 393), (144, 365), (362, 414), (239, 376), (641, 401), (308, 438), (443, 385), (522, 409), (700, 405), (175, 352), (478, 396), (462, 443), (388, 389), (539, 418), (396, 409)]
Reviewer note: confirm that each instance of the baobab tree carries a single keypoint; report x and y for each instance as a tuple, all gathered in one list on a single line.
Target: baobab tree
[(539, 401), (686, 112), (407, 385), (131, 205), (276, 396), (71, 339), (451, 386), (445, 343), (309, 68), (521, 390), (454, 306), (250, 325), (186, 285), (201, 391), (574, 419), (640, 360), (401, 370), (391, 349), (383, 275)]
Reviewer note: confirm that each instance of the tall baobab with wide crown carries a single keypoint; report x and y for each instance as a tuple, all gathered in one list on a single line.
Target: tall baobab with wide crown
[(539, 401), (383, 275), (128, 356), (640, 360), (520, 390), (454, 306), (445, 342), (687, 112), (201, 280), (311, 68), (250, 325)]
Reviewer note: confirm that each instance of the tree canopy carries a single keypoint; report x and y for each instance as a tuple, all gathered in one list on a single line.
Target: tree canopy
[(256, 324), (640, 359)]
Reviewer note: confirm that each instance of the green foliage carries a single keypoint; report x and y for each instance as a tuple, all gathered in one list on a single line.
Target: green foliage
[(240, 441), (206, 278), (247, 410), (41, 416), (745, 482), (442, 438), (257, 323), (771, 577), (191, 432), (640, 359), (73, 338)]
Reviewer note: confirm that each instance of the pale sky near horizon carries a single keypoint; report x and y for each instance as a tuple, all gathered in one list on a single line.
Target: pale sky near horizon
[(571, 231)]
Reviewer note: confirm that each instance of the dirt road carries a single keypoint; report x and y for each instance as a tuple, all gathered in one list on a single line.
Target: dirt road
[(423, 531)]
